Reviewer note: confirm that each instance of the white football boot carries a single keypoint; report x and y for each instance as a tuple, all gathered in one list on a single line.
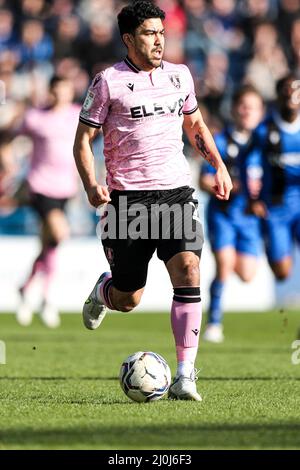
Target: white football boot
[(24, 312), (49, 316), (94, 310), (213, 333), (184, 388)]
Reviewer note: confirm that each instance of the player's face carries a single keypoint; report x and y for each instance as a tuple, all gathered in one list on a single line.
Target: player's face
[(62, 93), (148, 43), (248, 112), (288, 98)]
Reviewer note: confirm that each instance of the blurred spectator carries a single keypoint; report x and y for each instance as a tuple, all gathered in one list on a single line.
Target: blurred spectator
[(295, 42), (8, 167), (253, 12), (215, 82), (269, 63), (90, 9), (222, 26), (34, 9), (289, 10), (16, 87), (196, 41), (36, 46), (99, 50), (224, 42), (70, 68), (175, 22), (8, 38), (67, 31)]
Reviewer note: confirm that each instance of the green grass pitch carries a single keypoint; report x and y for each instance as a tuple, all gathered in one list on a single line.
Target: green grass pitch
[(59, 389)]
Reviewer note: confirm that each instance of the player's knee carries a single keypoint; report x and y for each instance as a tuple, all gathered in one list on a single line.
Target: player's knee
[(281, 272), (282, 275), (190, 271), (247, 276)]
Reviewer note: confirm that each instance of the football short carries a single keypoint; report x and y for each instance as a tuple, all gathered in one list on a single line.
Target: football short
[(44, 204), (138, 223), (240, 231), (281, 228)]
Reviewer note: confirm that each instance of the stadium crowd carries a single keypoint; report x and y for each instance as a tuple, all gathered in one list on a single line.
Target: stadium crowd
[(224, 42)]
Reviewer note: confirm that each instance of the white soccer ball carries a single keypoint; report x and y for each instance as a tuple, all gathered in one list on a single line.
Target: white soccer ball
[(145, 376)]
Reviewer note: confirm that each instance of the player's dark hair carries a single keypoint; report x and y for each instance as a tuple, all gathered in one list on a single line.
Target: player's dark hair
[(55, 80), (244, 90), (281, 83), (132, 16)]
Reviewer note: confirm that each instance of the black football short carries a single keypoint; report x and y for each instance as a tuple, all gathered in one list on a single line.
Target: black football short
[(138, 223), (44, 204)]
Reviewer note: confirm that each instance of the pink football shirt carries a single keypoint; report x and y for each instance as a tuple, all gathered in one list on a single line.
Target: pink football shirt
[(141, 114), (52, 169)]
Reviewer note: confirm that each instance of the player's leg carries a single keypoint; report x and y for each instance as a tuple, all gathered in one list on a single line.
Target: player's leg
[(55, 230), (186, 316), (225, 262), (181, 252), (279, 243), (246, 266), (50, 235), (222, 236), (248, 247), (122, 288)]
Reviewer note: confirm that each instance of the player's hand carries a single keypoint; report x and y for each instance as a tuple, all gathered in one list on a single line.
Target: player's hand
[(223, 184), (257, 208), (98, 195)]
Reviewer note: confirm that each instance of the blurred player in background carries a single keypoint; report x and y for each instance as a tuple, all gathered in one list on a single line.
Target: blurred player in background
[(52, 180), (276, 156), (233, 234), (142, 104)]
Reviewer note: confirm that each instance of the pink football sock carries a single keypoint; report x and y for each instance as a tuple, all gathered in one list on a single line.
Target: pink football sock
[(103, 291), (186, 315), (50, 268), (38, 266)]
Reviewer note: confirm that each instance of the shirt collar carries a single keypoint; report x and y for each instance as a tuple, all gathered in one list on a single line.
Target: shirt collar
[(288, 127), (134, 67)]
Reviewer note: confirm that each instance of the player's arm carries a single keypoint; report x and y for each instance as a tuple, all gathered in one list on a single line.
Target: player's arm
[(207, 183), (203, 142), (84, 159)]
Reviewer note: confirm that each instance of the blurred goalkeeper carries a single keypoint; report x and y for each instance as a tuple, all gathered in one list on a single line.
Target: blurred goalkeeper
[(141, 105), (51, 181)]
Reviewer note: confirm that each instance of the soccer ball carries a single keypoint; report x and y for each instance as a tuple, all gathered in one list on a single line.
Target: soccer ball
[(145, 376)]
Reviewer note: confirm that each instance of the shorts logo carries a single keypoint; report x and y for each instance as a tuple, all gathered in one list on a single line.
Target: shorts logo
[(175, 80), (109, 252), (89, 101)]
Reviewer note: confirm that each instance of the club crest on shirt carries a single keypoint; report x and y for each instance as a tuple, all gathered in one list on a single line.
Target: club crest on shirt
[(175, 80)]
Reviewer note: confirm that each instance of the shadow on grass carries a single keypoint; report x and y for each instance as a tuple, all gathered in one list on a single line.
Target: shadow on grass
[(275, 435)]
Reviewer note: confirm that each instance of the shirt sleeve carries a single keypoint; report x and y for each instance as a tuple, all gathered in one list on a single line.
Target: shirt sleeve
[(191, 104), (95, 107)]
